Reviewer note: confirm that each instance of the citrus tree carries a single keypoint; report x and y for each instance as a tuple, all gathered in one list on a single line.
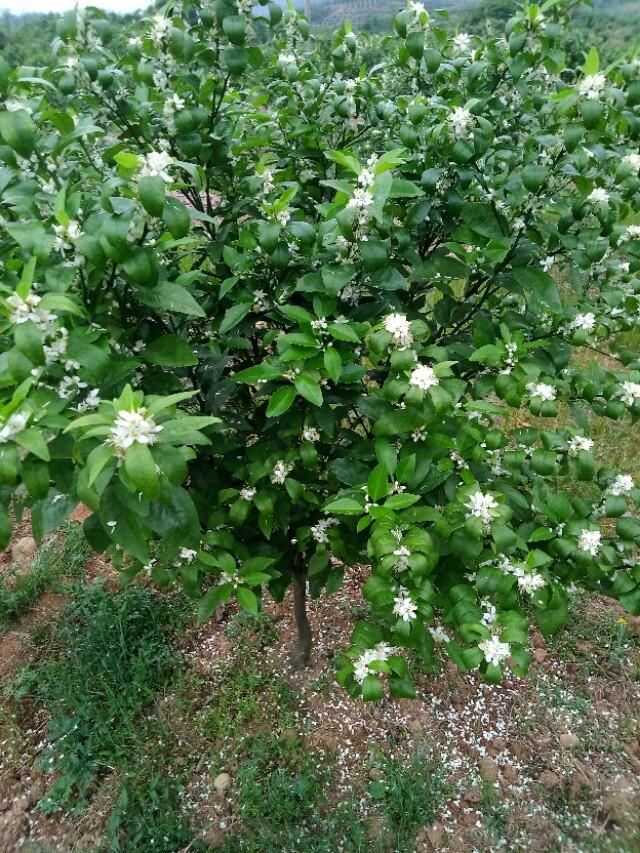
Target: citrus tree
[(269, 307)]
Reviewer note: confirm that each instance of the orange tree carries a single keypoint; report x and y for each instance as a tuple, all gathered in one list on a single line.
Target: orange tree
[(265, 311)]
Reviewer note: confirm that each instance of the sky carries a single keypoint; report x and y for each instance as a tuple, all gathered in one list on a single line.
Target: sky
[(19, 7)]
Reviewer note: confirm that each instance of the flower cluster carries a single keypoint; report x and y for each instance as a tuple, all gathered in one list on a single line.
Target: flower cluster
[(362, 665), (423, 377), (133, 428), (481, 506), (319, 530), (592, 86), (404, 607), (399, 328), (13, 425), (494, 650)]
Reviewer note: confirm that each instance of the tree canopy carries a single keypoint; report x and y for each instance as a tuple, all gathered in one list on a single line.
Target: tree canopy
[(269, 311)]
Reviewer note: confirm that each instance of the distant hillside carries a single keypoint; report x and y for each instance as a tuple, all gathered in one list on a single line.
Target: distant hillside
[(612, 25), (371, 15)]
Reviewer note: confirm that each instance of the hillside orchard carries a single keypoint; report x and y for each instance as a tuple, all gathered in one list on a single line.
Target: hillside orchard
[(269, 307)]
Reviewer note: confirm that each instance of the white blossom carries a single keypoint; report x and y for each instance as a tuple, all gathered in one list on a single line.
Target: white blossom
[(155, 164), (361, 666), (461, 121), (631, 232), (366, 178), (91, 401), (629, 393), (187, 554), (598, 195), (480, 506), (543, 390), (461, 42), (288, 59), (586, 322), (247, 494), (27, 309), (592, 85), (131, 428), (494, 650), (160, 28), (622, 485), (423, 377), (310, 434), (548, 262), (403, 606), (14, 424), (439, 634), (416, 7), (632, 160), (400, 329), (402, 554), (590, 541), (361, 200), (57, 347), (578, 443), (280, 471), (66, 234), (529, 582), (319, 530), (490, 612)]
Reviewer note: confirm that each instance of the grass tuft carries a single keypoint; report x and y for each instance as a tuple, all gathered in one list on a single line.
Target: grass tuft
[(108, 655)]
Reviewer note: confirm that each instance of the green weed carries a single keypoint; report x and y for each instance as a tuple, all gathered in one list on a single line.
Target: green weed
[(62, 559), (108, 656)]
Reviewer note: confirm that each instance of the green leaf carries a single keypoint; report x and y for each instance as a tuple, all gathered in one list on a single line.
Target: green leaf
[(309, 388), (5, 529), (280, 401), (343, 159), (401, 501), (401, 688), (29, 342), (32, 440), (234, 315), (333, 363), (127, 160), (591, 63), (378, 483), (18, 131), (371, 688), (344, 506), (171, 297), (141, 467), (99, 457), (386, 454), (128, 531), (405, 189), (208, 604), (169, 351), (539, 288), (343, 332), (247, 600), (235, 59)]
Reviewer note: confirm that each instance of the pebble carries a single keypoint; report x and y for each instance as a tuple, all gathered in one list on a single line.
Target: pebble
[(222, 782)]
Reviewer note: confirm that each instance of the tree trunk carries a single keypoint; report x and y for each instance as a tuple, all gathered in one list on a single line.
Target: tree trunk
[(302, 651)]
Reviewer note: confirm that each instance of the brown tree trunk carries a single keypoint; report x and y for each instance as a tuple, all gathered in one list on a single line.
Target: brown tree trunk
[(302, 651)]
